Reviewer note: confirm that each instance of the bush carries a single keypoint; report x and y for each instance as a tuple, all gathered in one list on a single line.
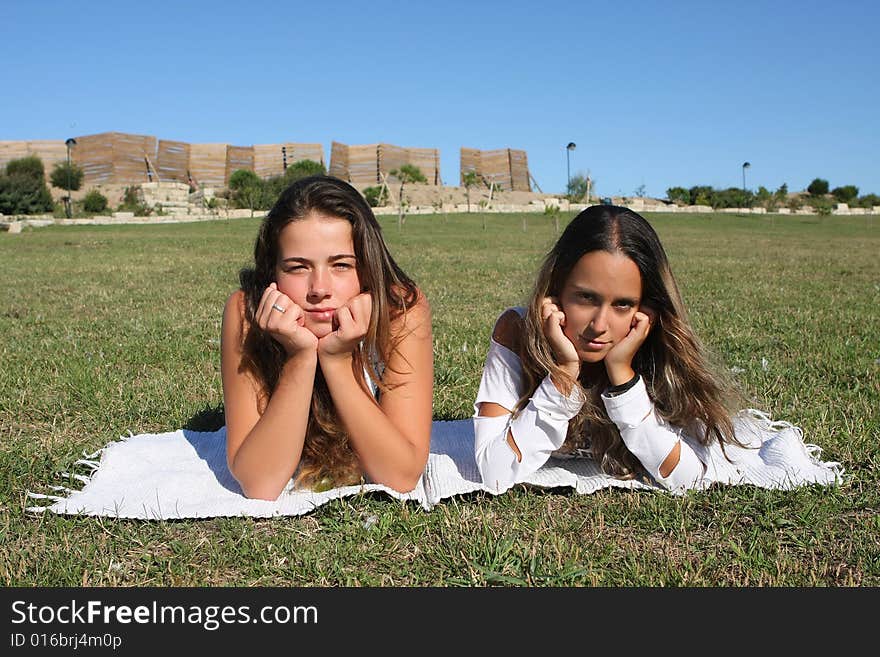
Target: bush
[(95, 202), (376, 195), (31, 167), (679, 195), (23, 189), (131, 203), (821, 205), (577, 188), (868, 201), (845, 194), (22, 194), (701, 195), (62, 175), (818, 187), (303, 169), (247, 189)]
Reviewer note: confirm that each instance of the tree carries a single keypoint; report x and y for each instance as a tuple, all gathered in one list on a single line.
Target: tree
[(246, 187), (23, 188), (303, 169), (577, 187), (818, 187), (469, 179), (406, 174), (679, 195), (64, 174), (846, 194), (376, 195)]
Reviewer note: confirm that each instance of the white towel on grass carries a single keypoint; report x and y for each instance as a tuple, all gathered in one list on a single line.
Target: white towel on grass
[(183, 474)]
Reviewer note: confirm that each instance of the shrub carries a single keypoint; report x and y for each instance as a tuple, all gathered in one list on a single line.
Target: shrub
[(248, 189), (679, 195), (63, 175), (868, 201), (131, 203), (577, 187), (818, 187), (821, 205), (376, 195), (23, 194), (31, 167), (303, 169), (95, 202), (845, 194)]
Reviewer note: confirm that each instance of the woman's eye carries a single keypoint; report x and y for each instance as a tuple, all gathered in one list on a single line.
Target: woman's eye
[(343, 265), (292, 269)]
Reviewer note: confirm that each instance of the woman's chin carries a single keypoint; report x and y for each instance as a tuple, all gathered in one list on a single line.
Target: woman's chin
[(320, 329)]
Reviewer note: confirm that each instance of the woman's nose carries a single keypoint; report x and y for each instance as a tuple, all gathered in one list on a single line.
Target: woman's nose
[(319, 286), (600, 321)]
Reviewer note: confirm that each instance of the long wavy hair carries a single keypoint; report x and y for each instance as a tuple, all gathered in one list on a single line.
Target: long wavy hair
[(327, 457), (672, 361)]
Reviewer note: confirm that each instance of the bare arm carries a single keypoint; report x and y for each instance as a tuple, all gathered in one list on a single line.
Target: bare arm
[(263, 449), (391, 438)]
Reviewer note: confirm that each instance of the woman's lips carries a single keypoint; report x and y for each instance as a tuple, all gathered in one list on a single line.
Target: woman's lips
[(595, 345), (321, 314)]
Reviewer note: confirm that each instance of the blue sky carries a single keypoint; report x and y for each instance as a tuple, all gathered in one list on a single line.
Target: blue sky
[(653, 94)]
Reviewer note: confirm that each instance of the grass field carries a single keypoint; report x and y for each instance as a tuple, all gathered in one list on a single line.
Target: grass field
[(111, 329)]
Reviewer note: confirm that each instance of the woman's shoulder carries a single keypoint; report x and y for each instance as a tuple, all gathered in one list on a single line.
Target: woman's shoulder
[(509, 328), (234, 314), (414, 316)]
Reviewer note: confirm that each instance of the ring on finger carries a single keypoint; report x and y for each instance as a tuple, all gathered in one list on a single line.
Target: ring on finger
[(280, 309)]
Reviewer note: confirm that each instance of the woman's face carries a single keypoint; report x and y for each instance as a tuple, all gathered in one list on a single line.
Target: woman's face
[(317, 268), (600, 298)]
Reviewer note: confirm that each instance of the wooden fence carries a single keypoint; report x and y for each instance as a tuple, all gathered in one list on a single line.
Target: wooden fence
[(121, 158), (507, 168), (50, 151), (366, 164)]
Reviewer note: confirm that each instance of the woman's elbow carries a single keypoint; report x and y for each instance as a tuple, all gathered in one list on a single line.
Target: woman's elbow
[(260, 490)]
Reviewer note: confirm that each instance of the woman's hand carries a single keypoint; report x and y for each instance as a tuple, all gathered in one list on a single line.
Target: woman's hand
[(563, 350), (618, 360), (351, 322), (287, 326)]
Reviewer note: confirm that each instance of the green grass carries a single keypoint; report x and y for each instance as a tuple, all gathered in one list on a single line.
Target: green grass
[(111, 329)]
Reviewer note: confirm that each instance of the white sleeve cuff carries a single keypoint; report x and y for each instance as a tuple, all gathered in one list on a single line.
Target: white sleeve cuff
[(549, 400), (628, 409)]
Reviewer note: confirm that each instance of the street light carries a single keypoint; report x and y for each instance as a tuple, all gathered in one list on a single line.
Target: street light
[(568, 149), (69, 142), (746, 165)]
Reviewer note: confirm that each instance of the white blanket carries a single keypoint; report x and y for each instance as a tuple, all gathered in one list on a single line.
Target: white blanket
[(183, 474)]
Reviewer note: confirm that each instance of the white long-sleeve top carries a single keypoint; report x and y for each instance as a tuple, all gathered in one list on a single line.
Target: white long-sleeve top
[(541, 427)]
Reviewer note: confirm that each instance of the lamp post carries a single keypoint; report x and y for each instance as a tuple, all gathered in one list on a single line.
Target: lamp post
[(568, 149), (746, 165), (69, 142)]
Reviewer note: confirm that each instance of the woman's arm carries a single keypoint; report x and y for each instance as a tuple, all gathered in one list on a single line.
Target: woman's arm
[(658, 446), (391, 438), (508, 450), (263, 449), (671, 462)]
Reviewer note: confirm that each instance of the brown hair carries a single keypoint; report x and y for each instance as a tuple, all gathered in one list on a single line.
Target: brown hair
[(327, 456), (672, 361)]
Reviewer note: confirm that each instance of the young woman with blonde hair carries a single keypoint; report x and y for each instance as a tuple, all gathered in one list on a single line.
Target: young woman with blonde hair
[(603, 360)]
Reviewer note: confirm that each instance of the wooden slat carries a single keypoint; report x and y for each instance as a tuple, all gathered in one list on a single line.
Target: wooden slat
[(339, 161), (207, 163), (50, 152), (506, 167), (238, 157), (173, 160)]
